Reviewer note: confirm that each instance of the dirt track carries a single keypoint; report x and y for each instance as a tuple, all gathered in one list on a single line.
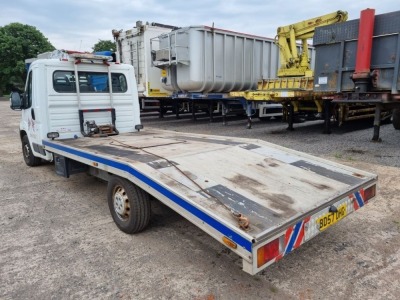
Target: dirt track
[(57, 238)]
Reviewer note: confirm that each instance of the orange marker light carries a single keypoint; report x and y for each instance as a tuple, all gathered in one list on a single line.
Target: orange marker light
[(229, 242)]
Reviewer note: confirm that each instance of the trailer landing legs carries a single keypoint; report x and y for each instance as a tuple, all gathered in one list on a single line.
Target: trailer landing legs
[(327, 117), (248, 113), (224, 109), (290, 116), (193, 108), (161, 110), (211, 111), (377, 124), (177, 105)]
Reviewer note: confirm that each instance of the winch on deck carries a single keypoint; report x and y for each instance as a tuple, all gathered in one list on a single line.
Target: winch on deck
[(94, 130)]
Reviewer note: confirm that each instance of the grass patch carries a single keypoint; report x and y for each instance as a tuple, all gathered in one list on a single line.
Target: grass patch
[(273, 289), (338, 155)]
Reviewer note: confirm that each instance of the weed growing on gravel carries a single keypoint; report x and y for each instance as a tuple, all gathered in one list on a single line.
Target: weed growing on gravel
[(338, 155)]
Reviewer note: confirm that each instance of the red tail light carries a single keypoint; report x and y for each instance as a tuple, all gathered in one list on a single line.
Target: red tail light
[(267, 252), (370, 192)]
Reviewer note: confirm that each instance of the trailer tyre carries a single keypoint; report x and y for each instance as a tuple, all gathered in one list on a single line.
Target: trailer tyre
[(396, 118), (29, 158), (129, 205)]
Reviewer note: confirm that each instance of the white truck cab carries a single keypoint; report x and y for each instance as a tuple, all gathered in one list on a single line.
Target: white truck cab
[(55, 104)]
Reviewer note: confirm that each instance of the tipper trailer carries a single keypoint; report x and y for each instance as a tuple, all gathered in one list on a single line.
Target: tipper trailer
[(203, 64), (260, 200), (140, 47)]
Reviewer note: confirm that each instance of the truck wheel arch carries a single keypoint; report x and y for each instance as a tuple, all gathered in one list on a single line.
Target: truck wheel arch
[(29, 158), (129, 205), (22, 133)]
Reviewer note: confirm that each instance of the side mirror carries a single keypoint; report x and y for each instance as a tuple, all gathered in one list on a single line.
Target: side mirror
[(15, 101)]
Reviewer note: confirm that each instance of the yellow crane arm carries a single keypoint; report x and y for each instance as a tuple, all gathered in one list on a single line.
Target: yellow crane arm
[(291, 62)]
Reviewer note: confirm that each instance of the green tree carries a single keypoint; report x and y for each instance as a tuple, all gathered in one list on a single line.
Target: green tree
[(103, 45), (17, 43)]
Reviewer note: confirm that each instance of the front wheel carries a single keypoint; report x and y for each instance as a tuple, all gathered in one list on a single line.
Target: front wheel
[(129, 205), (29, 158)]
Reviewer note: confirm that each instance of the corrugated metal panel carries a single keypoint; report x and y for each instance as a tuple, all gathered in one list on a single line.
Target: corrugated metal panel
[(384, 24), (336, 50)]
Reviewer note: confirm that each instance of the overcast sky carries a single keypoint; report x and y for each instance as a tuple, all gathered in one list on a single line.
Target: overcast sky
[(79, 24)]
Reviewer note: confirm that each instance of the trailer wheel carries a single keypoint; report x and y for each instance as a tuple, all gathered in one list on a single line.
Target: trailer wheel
[(129, 205), (180, 110), (396, 118), (29, 158)]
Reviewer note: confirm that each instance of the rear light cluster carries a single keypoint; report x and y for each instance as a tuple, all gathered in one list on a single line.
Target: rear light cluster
[(370, 192), (274, 249), (268, 252)]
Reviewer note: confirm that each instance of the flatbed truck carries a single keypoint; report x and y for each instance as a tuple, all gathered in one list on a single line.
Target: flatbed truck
[(260, 200)]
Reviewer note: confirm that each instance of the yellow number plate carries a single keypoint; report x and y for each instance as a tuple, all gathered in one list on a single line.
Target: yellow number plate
[(329, 218)]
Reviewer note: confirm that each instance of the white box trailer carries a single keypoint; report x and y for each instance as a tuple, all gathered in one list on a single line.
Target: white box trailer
[(133, 47), (260, 200)]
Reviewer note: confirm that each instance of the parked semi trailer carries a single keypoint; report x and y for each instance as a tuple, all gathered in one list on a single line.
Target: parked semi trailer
[(260, 200), (204, 64), (359, 61), (296, 88)]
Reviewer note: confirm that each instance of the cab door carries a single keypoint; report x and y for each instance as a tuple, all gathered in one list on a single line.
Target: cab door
[(31, 122)]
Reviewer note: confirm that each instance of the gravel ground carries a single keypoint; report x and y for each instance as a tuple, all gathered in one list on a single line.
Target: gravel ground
[(57, 238)]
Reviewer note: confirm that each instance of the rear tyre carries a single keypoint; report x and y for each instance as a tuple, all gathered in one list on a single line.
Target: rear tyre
[(129, 205), (29, 158), (396, 118)]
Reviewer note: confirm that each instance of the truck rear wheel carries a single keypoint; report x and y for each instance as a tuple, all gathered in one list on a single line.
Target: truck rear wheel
[(396, 118), (129, 205), (29, 158)]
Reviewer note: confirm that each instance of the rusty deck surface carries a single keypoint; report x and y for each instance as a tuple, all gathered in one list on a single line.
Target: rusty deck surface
[(268, 184)]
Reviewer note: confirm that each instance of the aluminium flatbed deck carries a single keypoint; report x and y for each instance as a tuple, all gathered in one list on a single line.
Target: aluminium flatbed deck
[(212, 180)]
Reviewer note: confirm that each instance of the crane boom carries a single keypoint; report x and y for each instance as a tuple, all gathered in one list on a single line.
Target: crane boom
[(293, 63)]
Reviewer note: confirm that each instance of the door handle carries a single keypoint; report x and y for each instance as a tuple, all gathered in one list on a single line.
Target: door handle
[(33, 114)]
